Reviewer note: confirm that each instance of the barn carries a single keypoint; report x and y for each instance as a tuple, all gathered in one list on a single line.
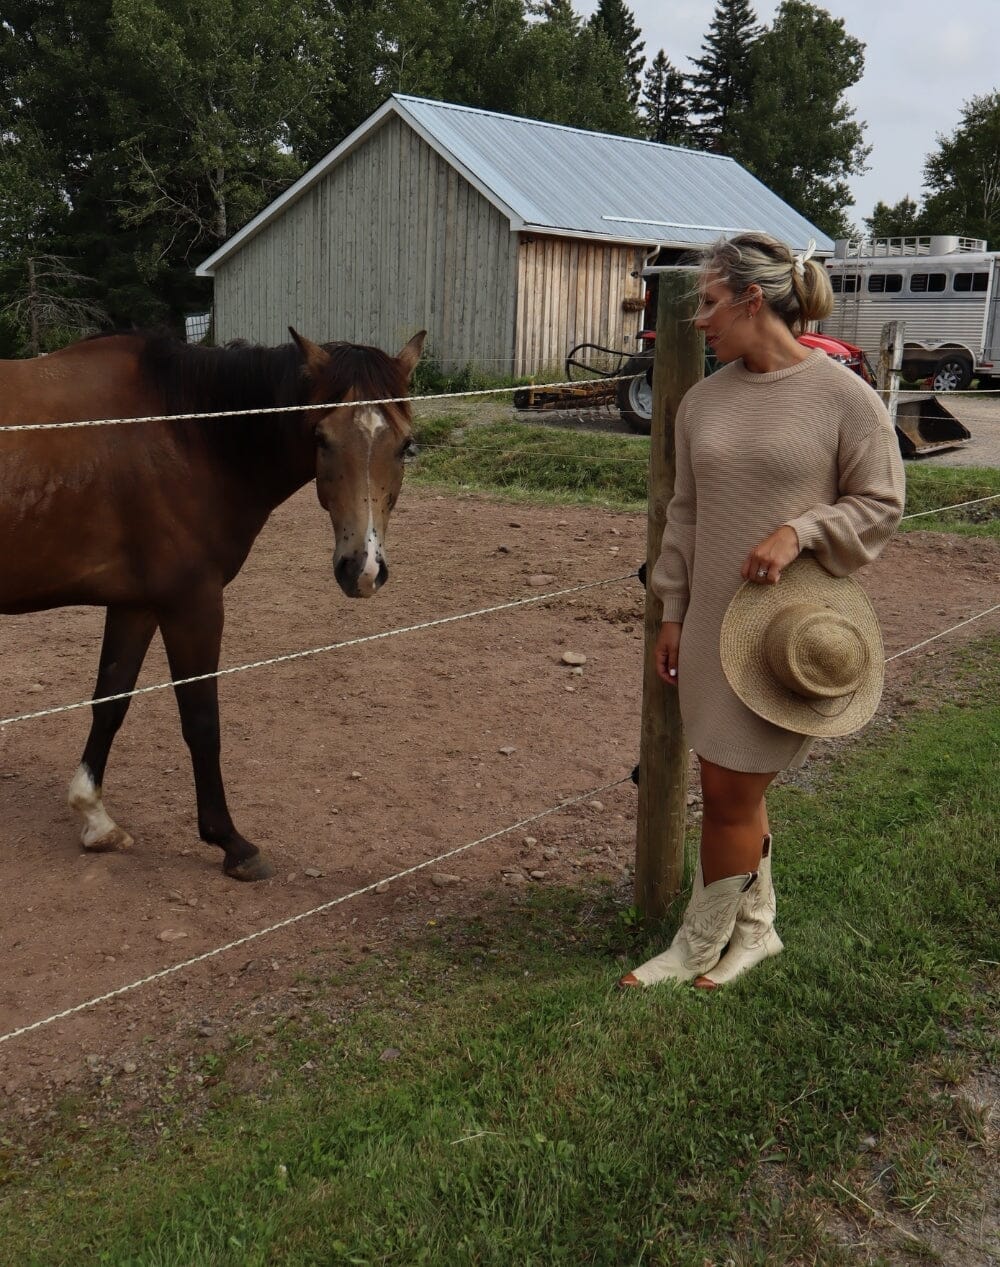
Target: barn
[(508, 239)]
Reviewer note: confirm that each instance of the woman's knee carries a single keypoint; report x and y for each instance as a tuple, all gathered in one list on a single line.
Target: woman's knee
[(731, 796)]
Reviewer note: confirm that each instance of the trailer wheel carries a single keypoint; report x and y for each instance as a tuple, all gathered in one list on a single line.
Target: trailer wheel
[(634, 396), (953, 373)]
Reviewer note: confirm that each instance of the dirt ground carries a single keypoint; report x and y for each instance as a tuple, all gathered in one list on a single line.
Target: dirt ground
[(351, 766)]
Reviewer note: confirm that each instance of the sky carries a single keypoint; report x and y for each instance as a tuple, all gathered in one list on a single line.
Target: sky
[(923, 60)]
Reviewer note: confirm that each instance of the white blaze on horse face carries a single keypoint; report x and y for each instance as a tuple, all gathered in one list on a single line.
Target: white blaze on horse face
[(100, 831), (370, 422)]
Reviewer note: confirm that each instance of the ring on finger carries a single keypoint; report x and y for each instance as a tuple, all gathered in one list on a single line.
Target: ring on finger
[(761, 572)]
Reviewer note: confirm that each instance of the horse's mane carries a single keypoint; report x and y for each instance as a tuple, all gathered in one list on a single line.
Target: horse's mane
[(242, 375), (204, 379)]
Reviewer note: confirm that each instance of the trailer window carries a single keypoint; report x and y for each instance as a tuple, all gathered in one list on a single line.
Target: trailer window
[(979, 282), (885, 283), (845, 283), (928, 281)]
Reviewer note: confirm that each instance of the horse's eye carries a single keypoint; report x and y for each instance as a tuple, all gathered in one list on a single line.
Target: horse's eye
[(409, 450), (322, 439)]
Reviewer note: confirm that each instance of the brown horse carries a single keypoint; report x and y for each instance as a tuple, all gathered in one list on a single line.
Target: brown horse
[(152, 520)]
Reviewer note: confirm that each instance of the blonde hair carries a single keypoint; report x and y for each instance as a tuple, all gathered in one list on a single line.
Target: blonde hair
[(796, 289)]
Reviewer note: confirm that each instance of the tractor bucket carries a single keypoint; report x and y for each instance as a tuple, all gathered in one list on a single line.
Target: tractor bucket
[(924, 425)]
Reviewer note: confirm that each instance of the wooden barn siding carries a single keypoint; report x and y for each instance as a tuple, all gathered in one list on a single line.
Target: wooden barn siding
[(569, 292), (391, 241)]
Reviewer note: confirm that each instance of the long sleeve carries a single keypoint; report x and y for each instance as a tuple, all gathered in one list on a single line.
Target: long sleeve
[(855, 528), (671, 578)]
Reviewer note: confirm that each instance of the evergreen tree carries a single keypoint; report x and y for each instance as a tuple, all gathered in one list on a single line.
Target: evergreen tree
[(721, 84), (616, 22), (665, 105), (798, 134), (963, 176)]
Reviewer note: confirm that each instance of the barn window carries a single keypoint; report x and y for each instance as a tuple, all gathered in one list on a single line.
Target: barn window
[(928, 282), (885, 283), (979, 282)]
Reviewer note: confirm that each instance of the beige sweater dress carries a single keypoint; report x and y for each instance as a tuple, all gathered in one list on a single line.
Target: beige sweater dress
[(811, 446)]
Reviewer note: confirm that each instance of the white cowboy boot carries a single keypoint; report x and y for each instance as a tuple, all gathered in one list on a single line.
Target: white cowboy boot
[(706, 927), (754, 938)]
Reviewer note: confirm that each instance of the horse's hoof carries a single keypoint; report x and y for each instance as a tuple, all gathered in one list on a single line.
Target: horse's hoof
[(254, 868), (113, 841)]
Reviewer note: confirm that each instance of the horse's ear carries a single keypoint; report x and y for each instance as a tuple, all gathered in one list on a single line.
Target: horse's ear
[(313, 356), (410, 355)]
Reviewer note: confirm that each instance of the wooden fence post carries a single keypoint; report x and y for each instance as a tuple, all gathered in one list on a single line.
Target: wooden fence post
[(663, 756), (890, 361)]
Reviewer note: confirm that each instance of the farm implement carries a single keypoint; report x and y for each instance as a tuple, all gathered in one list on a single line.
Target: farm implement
[(600, 377)]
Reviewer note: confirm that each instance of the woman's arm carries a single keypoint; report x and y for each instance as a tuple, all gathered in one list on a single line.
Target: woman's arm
[(670, 579), (871, 493)]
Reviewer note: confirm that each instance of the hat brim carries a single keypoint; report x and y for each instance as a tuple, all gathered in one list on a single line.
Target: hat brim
[(741, 647)]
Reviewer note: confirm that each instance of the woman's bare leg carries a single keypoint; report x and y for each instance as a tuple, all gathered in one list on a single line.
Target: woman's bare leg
[(734, 820)]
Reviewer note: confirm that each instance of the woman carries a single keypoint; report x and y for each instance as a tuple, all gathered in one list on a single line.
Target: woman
[(780, 451)]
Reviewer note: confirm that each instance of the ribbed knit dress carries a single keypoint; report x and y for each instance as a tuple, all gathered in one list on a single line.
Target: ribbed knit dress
[(811, 446)]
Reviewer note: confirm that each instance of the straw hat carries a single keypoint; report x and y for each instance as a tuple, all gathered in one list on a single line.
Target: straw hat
[(805, 654)]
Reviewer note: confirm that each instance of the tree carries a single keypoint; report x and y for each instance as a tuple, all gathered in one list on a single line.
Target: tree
[(798, 134), (136, 135), (616, 22), (169, 123), (229, 74), (902, 219), (567, 73), (483, 53), (665, 105), (40, 295), (963, 176), (720, 88), (45, 308), (558, 11)]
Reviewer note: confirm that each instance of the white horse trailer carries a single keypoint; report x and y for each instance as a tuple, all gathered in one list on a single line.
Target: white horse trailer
[(946, 290)]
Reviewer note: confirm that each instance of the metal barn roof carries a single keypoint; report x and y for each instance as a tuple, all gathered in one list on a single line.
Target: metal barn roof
[(554, 179)]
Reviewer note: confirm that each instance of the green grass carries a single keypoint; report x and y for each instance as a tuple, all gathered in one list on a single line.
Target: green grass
[(928, 487), (536, 463), (535, 1116), (555, 464)]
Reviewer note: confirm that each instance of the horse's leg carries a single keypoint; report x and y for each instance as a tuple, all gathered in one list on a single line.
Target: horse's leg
[(192, 636), (127, 635)]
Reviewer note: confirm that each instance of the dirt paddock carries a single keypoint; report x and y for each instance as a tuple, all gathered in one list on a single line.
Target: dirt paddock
[(350, 766)]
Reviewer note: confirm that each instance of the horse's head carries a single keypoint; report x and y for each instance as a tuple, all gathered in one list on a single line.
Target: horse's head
[(360, 449)]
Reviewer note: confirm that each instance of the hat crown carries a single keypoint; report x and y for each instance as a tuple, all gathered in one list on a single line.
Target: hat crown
[(816, 651)]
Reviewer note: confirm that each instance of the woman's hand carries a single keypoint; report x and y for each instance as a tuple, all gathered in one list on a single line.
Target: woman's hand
[(766, 562), (667, 646)]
